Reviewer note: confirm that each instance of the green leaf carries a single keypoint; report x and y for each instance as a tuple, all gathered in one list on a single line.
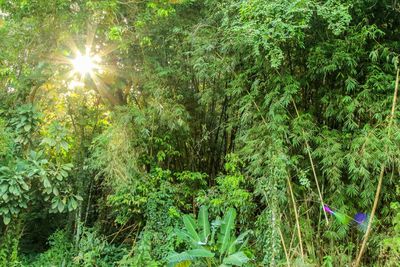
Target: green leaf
[(342, 218), (204, 224), (214, 227), (63, 173), (14, 190), (237, 259), (227, 226), (55, 191), (237, 241), (64, 145), (68, 166), (4, 210), (60, 206), (189, 255), (27, 127), (46, 183), (24, 186), (49, 141), (184, 264), (3, 188), (54, 204), (6, 220), (190, 225), (74, 204), (182, 234)]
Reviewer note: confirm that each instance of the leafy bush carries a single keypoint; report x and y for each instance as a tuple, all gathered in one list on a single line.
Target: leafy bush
[(59, 254), (390, 251), (91, 250), (94, 250), (231, 190), (9, 246), (212, 244)]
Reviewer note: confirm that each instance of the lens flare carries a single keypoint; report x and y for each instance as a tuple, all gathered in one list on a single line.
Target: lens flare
[(85, 64)]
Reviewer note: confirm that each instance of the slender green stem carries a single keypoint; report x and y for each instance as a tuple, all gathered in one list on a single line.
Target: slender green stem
[(296, 215), (380, 180), (312, 165)]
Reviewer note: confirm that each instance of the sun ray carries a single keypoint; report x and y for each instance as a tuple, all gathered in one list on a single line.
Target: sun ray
[(88, 65), (103, 89), (90, 36)]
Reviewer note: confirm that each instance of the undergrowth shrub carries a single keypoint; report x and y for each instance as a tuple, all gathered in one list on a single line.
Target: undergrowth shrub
[(9, 247), (59, 254), (141, 253), (390, 246), (231, 190), (92, 249)]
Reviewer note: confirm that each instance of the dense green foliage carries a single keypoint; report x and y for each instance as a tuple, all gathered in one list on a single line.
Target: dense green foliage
[(206, 249), (255, 109)]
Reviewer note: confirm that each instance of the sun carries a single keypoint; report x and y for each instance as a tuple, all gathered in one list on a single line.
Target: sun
[(85, 64)]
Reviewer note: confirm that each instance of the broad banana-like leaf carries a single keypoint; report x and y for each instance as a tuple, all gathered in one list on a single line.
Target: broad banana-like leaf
[(204, 224), (237, 259), (228, 224), (244, 244), (184, 264), (189, 255), (182, 234), (214, 227), (240, 240), (191, 228)]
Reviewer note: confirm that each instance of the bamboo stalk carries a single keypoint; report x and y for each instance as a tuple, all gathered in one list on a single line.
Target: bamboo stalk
[(296, 215), (380, 180), (121, 230), (284, 247), (290, 186), (312, 165)]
